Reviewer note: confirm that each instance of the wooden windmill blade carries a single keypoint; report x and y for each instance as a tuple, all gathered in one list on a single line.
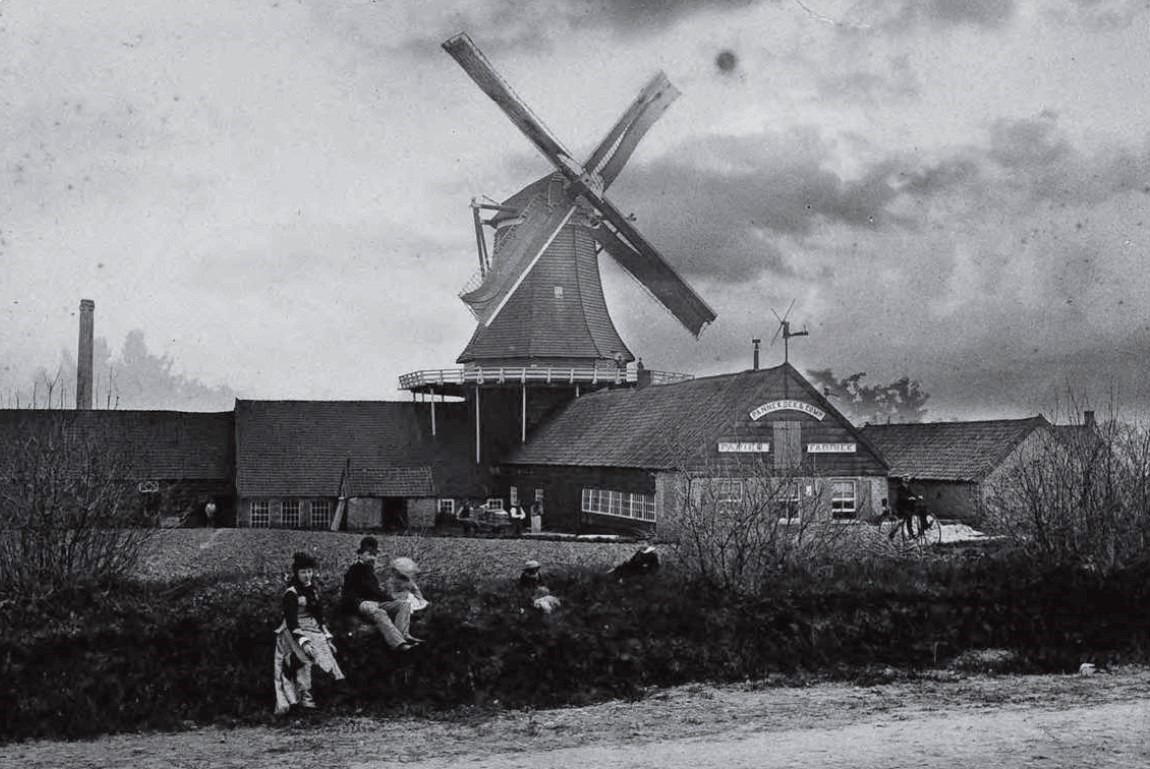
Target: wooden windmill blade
[(632, 251), (615, 150), (475, 64), (515, 258)]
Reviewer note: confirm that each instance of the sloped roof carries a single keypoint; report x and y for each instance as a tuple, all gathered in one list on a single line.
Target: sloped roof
[(300, 448), (161, 445), (950, 451), (667, 426)]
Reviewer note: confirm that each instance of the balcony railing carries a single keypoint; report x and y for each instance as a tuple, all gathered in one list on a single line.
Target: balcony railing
[(557, 375)]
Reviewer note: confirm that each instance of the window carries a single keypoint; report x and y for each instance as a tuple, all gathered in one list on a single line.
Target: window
[(447, 507), (623, 504), (788, 444), (260, 514), (843, 499), (538, 495), (786, 501), (290, 516), (320, 513), (494, 503), (514, 495), (728, 490)]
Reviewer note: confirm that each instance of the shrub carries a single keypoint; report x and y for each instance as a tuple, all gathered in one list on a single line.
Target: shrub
[(155, 657), (67, 512)]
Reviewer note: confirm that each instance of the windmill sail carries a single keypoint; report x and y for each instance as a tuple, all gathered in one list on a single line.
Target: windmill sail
[(615, 150)]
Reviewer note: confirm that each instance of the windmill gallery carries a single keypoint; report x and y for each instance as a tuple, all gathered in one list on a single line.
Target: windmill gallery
[(547, 405)]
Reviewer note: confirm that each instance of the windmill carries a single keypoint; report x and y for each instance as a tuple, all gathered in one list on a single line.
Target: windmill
[(543, 324), (538, 295), (784, 330)]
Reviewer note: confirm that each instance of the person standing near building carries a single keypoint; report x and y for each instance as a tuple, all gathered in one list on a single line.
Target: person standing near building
[(363, 596), (537, 516), (905, 503), (518, 518)]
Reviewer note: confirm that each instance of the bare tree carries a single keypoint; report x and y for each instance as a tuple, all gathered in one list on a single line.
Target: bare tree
[(69, 513), (1079, 495), (740, 521)]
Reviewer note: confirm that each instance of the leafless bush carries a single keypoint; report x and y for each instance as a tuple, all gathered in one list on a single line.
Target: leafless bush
[(68, 511), (738, 527), (1077, 495)]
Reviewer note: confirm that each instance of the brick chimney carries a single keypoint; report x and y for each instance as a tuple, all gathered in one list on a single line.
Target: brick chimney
[(756, 342), (84, 356)]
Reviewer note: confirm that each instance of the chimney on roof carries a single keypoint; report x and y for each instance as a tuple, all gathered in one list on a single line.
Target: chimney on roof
[(1088, 418), (756, 343), (84, 356)]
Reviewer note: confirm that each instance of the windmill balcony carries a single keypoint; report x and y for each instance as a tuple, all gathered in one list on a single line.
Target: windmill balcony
[(446, 379)]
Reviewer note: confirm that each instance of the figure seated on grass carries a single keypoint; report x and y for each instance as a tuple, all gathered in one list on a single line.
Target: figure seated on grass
[(644, 561), (530, 576), (362, 596)]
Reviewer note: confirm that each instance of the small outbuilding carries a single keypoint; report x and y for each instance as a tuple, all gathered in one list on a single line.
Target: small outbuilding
[(952, 465)]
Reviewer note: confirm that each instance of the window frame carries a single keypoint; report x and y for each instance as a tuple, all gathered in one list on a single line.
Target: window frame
[(445, 506), (630, 505), (844, 515), (488, 506), (325, 505), (261, 519), (284, 505)]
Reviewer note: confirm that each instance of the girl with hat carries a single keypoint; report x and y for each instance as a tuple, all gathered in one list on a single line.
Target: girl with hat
[(302, 639)]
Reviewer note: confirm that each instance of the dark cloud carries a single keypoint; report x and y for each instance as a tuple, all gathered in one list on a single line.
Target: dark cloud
[(728, 206)]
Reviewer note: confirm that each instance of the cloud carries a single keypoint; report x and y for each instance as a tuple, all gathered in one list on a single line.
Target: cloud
[(1097, 15), (896, 83), (907, 15), (732, 206)]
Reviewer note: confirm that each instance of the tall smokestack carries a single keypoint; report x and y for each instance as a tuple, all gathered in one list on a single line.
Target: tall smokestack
[(756, 342), (84, 356)]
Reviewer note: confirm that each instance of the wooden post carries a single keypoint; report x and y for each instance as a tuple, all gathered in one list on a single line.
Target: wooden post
[(433, 433), (476, 424), (523, 420)]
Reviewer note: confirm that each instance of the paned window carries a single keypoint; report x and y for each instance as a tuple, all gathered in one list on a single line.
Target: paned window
[(447, 507), (494, 503), (290, 517), (786, 501), (260, 514), (624, 504), (728, 490), (514, 495), (320, 514), (843, 500)]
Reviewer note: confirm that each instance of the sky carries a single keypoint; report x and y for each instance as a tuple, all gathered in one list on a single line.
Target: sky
[(276, 192)]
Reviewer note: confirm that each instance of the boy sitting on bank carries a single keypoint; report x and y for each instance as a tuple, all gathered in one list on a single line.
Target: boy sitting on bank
[(362, 595)]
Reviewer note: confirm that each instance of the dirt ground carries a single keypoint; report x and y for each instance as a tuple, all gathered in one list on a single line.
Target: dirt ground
[(948, 721)]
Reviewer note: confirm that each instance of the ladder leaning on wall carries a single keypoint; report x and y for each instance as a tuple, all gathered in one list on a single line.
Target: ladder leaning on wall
[(341, 506)]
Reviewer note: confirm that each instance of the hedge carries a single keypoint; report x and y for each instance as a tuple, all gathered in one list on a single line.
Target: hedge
[(147, 658)]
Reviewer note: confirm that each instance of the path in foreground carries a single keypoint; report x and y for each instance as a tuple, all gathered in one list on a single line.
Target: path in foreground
[(1005, 722)]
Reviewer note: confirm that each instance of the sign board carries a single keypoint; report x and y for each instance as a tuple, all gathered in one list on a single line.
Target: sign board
[(743, 447), (788, 405), (831, 448)]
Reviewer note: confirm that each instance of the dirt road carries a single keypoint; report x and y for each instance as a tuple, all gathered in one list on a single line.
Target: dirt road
[(1005, 722)]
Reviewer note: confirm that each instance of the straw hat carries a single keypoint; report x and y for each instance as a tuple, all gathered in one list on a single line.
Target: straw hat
[(404, 566)]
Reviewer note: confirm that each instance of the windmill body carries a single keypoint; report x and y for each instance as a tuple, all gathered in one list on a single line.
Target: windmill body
[(557, 317)]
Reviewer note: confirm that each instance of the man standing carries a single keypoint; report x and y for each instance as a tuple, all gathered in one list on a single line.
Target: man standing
[(363, 596), (518, 518)]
